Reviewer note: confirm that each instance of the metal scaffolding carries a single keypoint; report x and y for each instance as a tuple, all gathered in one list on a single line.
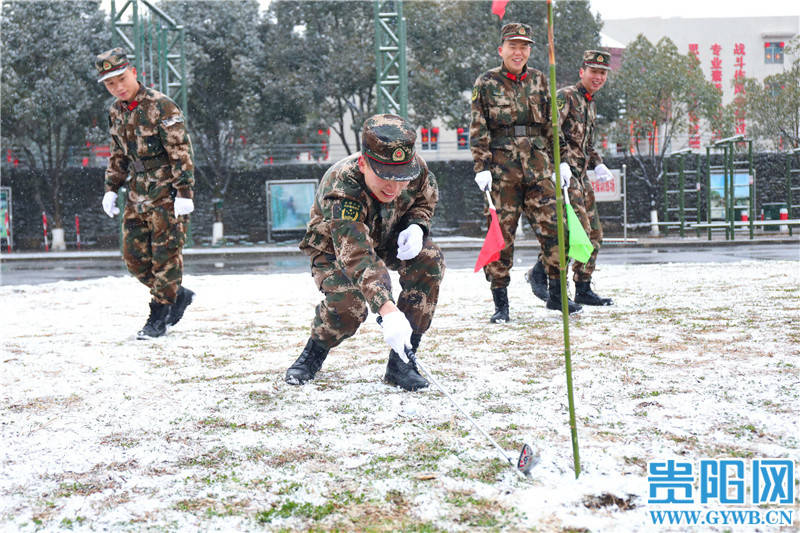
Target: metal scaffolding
[(390, 57)]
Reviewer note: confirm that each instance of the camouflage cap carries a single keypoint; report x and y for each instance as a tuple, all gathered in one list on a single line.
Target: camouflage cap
[(387, 142), (111, 63), (597, 59), (516, 30)]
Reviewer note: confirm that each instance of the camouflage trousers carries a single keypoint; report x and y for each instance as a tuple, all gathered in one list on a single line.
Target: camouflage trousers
[(581, 196), (344, 308), (536, 198), (152, 247)]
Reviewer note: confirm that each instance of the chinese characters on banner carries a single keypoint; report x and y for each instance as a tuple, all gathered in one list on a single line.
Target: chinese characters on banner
[(738, 88), (716, 78), (694, 122)]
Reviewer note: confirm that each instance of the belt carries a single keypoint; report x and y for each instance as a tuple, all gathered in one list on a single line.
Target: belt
[(518, 130), (150, 163)]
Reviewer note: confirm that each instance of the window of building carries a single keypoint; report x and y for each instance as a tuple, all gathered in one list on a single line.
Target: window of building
[(773, 52), (430, 138), (463, 138)]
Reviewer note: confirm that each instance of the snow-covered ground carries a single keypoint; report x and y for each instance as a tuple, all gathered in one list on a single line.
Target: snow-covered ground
[(197, 430)]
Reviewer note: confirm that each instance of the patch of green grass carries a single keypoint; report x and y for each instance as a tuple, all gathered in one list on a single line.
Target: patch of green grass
[(475, 511), (215, 422), (730, 452), (380, 463), (69, 523), (65, 490), (343, 409), (459, 473), (290, 509), (490, 470), (289, 487), (220, 477), (645, 394), (257, 453), (216, 457)]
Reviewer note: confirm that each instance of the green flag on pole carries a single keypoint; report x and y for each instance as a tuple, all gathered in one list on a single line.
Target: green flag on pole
[(580, 247)]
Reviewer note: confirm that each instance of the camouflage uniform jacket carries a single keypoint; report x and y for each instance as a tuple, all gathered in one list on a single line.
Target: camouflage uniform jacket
[(577, 115), (501, 100), (149, 131), (351, 224)]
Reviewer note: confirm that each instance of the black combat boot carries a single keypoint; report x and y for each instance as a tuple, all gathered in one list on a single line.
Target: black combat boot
[(184, 299), (554, 297), (307, 365), (500, 305), (156, 324), (537, 278), (405, 375), (586, 296)]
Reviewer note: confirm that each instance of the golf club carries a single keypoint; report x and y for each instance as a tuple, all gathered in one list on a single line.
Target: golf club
[(527, 458)]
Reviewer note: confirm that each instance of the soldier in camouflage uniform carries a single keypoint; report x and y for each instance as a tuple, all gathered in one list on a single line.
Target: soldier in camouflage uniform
[(511, 139), (150, 144), (372, 213), (577, 117)]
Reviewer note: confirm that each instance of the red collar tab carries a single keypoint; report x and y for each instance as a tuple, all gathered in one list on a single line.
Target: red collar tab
[(130, 106), (585, 93), (515, 77)]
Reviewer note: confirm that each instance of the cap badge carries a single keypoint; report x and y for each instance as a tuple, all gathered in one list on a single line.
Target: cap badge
[(599, 59), (398, 155), (106, 65), (522, 31)]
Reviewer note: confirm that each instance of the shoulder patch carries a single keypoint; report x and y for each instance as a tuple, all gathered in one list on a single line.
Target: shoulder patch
[(348, 210), (474, 93), (560, 101), (167, 122)]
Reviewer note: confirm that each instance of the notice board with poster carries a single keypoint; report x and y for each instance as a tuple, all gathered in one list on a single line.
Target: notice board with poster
[(608, 191), (288, 207), (6, 218), (741, 194)]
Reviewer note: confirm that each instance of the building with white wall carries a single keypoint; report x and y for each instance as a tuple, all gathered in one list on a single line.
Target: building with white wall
[(729, 49)]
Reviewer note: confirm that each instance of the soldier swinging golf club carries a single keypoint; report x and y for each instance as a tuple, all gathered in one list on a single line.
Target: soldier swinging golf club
[(527, 459)]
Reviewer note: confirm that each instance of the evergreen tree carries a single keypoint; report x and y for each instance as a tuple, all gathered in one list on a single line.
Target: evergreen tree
[(660, 88), (51, 98), (222, 50), (773, 106)]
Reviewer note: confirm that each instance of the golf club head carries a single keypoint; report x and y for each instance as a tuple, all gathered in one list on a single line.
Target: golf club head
[(526, 460)]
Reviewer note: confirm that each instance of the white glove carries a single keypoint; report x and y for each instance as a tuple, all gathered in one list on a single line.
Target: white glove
[(484, 179), (397, 333), (183, 206), (602, 173), (409, 242), (566, 174), (110, 204)]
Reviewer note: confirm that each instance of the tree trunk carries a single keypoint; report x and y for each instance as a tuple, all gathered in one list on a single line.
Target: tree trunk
[(58, 239)]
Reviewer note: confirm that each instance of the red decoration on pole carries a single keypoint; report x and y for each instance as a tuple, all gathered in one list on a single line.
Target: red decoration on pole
[(44, 225), (8, 233), (499, 8), (78, 231)]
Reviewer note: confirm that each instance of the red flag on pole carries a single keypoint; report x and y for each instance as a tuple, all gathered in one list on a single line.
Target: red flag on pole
[(494, 243), (499, 7)]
